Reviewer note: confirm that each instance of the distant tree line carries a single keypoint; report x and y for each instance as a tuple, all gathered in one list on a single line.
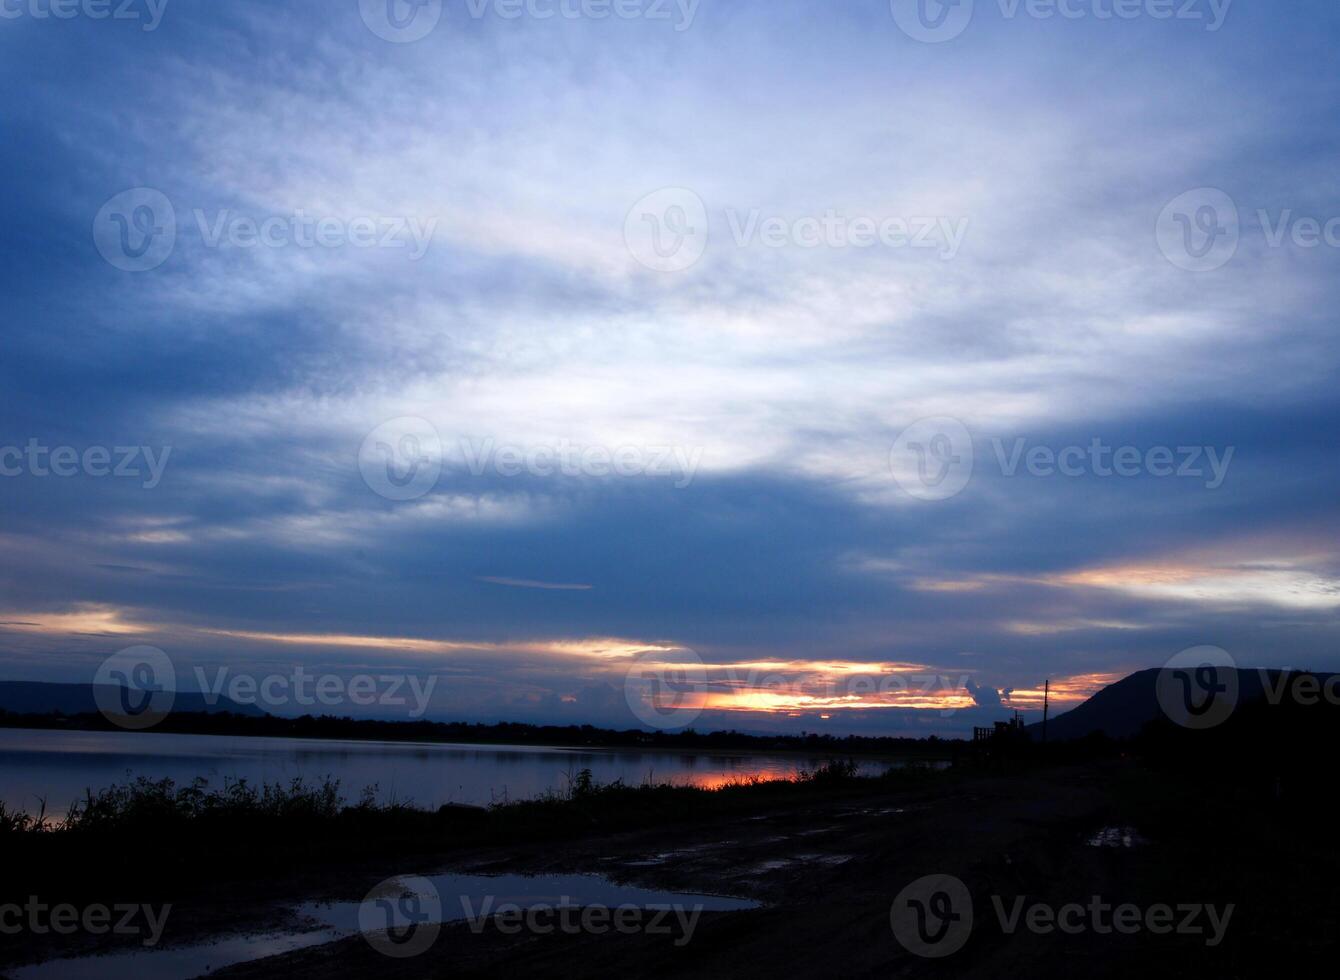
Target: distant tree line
[(501, 733)]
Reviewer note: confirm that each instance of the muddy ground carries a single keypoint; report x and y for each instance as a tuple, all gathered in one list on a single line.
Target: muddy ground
[(827, 874)]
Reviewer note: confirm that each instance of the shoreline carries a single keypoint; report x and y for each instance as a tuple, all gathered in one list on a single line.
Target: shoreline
[(54, 770), (524, 837), (823, 859), (575, 737), (885, 756)]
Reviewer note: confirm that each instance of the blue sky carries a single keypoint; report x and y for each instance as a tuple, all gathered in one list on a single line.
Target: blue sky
[(1039, 234)]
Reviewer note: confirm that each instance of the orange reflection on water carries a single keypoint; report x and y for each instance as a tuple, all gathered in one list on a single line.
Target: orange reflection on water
[(755, 770)]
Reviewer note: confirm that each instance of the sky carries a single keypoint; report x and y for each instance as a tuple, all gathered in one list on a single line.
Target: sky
[(756, 364)]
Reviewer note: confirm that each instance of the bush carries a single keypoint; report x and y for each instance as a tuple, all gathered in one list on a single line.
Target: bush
[(160, 803), (19, 822), (832, 771)]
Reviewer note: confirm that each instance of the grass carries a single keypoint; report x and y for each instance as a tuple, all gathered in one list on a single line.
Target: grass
[(19, 822), (274, 812), (155, 840), (159, 804)]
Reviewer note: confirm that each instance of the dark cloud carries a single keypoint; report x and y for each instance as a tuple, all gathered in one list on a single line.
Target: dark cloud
[(263, 370)]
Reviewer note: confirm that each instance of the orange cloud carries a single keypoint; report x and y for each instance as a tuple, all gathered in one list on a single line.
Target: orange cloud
[(1275, 582), (1065, 691), (82, 620)]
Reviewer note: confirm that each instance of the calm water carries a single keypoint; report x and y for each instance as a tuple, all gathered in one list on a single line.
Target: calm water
[(60, 766)]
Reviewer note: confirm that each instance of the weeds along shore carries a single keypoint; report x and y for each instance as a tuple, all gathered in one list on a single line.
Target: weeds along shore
[(150, 835)]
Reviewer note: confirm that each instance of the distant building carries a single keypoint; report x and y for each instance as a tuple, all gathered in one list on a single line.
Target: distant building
[(1002, 730), (996, 744)]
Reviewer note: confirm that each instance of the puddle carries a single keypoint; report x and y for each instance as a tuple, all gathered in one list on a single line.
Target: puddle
[(1116, 837), (182, 961), (830, 859), (656, 860), (462, 896), (777, 864), (765, 866)]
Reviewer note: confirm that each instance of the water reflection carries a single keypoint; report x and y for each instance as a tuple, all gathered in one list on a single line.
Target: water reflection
[(462, 896), (59, 766)]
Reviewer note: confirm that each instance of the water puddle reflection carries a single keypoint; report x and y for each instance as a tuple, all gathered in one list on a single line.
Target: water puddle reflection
[(1122, 837), (462, 897)]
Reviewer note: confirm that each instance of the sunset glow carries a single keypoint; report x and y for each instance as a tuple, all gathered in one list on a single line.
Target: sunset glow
[(592, 411)]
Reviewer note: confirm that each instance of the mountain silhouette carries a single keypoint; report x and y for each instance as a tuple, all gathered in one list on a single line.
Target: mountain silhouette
[(1122, 709), (40, 698)]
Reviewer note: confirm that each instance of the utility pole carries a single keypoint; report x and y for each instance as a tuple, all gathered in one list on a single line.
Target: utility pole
[(1046, 696)]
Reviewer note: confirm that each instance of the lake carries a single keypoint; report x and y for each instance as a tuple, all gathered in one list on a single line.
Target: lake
[(60, 766)]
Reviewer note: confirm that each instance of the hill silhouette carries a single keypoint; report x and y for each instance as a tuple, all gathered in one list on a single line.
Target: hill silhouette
[(41, 698), (1123, 709)]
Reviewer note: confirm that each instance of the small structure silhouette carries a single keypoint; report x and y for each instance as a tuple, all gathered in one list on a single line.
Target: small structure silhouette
[(995, 744)]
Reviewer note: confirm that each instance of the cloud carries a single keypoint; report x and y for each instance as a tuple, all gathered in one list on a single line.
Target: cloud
[(522, 583), (983, 697), (788, 372)]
